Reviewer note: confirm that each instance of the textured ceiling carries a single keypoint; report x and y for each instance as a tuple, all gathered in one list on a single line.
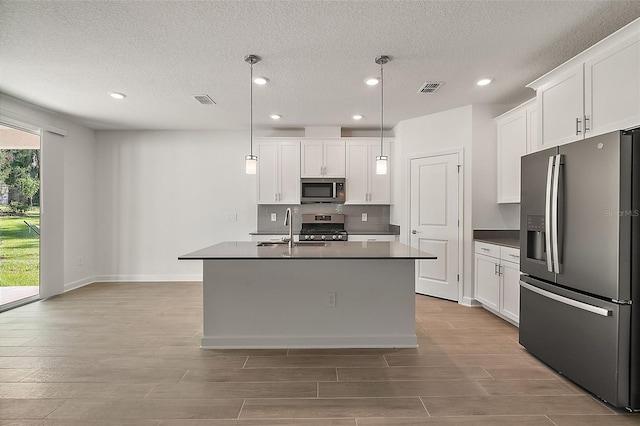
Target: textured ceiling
[(68, 56)]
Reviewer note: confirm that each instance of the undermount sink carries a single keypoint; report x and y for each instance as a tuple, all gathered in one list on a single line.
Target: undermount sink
[(284, 243), (310, 243), (271, 243)]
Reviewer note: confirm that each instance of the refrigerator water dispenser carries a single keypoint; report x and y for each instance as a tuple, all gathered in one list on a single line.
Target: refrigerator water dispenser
[(536, 238)]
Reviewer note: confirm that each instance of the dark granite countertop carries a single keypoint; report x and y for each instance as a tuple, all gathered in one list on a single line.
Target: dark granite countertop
[(331, 250), (501, 237), (508, 242), (350, 233)]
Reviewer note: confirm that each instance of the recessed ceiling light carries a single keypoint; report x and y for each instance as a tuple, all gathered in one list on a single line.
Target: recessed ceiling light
[(118, 95), (261, 80), (275, 116), (484, 81), (358, 117), (372, 81)]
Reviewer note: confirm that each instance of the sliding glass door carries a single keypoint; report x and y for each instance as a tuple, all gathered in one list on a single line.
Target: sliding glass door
[(19, 216)]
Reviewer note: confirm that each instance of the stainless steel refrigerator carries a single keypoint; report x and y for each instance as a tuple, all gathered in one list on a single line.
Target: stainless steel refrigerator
[(580, 256)]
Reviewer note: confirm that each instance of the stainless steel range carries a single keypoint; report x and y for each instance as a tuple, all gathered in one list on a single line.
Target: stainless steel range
[(324, 227)]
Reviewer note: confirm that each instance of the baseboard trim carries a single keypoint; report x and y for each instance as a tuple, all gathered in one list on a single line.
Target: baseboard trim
[(79, 283), (146, 278), (308, 342), (471, 302)]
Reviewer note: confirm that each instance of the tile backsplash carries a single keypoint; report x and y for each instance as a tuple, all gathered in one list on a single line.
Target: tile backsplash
[(377, 216)]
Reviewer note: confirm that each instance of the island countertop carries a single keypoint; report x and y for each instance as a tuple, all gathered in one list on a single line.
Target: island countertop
[(332, 250)]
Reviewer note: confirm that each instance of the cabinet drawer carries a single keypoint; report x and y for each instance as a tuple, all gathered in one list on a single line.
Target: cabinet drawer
[(487, 249), (510, 254)]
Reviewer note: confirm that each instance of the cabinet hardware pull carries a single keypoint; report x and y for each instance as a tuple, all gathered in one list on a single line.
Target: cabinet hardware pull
[(495, 269), (586, 120), (484, 248), (514, 255), (578, 126)]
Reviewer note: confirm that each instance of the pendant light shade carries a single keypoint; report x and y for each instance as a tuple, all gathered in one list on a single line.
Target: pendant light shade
[(251, 161), (381, 164), (251, 164), (382, 160)]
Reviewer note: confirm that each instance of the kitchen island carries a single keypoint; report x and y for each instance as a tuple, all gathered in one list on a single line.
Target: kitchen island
[(311, 295)]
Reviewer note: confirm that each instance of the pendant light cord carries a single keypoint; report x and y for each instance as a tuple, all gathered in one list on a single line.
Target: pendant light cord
[(251, 110), (381, 105)]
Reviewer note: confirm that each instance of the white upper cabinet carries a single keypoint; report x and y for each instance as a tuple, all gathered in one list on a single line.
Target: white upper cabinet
[(516, 134), (363, 185), (278, 174), (533, 134), (613, 78), (560, 102), (323, 158), (596, 92)]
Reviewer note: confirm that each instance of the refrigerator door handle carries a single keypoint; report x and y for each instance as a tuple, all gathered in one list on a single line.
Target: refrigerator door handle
[(555, 236), (547, 214), (580, 305)]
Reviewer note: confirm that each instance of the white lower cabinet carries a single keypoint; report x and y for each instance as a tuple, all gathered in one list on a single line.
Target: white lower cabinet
[(497, 271)]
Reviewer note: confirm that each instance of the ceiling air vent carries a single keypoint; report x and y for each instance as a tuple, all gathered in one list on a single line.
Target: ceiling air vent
[(430, 86), (204, 99)]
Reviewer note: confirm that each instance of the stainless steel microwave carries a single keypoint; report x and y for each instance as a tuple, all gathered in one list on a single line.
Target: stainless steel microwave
[(322, 190)]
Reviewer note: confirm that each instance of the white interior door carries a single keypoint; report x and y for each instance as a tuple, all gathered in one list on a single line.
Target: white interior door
[(434, 223)]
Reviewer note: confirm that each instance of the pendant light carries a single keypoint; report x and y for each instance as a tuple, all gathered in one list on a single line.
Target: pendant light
[(251, 161), (381, 160)]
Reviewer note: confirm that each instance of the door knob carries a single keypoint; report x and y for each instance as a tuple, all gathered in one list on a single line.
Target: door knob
[(413, 231)]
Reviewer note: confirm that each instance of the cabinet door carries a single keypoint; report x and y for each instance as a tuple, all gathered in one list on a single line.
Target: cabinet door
[(334, 159), (357, 172), (311, 159), (612, 88), (510, 307), (267, 173), (561, 104), (289, 173), (533, 143), (379, 185), (487, 281), (512, 144)]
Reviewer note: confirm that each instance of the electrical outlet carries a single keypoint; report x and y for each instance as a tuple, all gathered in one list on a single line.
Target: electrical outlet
[(365, 217), (233, 217), (274, 217), (331, 299)]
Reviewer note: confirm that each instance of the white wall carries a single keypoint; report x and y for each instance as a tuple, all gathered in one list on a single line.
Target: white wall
[(161, 194), (432, 134), (471, 129), (487, 213), (69, 216)]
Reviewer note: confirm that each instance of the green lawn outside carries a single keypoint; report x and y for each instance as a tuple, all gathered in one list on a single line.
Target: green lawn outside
[(19, 251)]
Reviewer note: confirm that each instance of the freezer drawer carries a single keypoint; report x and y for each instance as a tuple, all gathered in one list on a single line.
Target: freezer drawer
[(583, 338)]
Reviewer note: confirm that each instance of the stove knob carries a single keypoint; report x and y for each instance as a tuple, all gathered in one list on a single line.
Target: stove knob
[(335, 237), (312, 237), (339, 237), (306, 237), (324, 237)]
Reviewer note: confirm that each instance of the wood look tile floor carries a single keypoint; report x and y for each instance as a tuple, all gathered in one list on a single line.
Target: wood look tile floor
[(127, 354)]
